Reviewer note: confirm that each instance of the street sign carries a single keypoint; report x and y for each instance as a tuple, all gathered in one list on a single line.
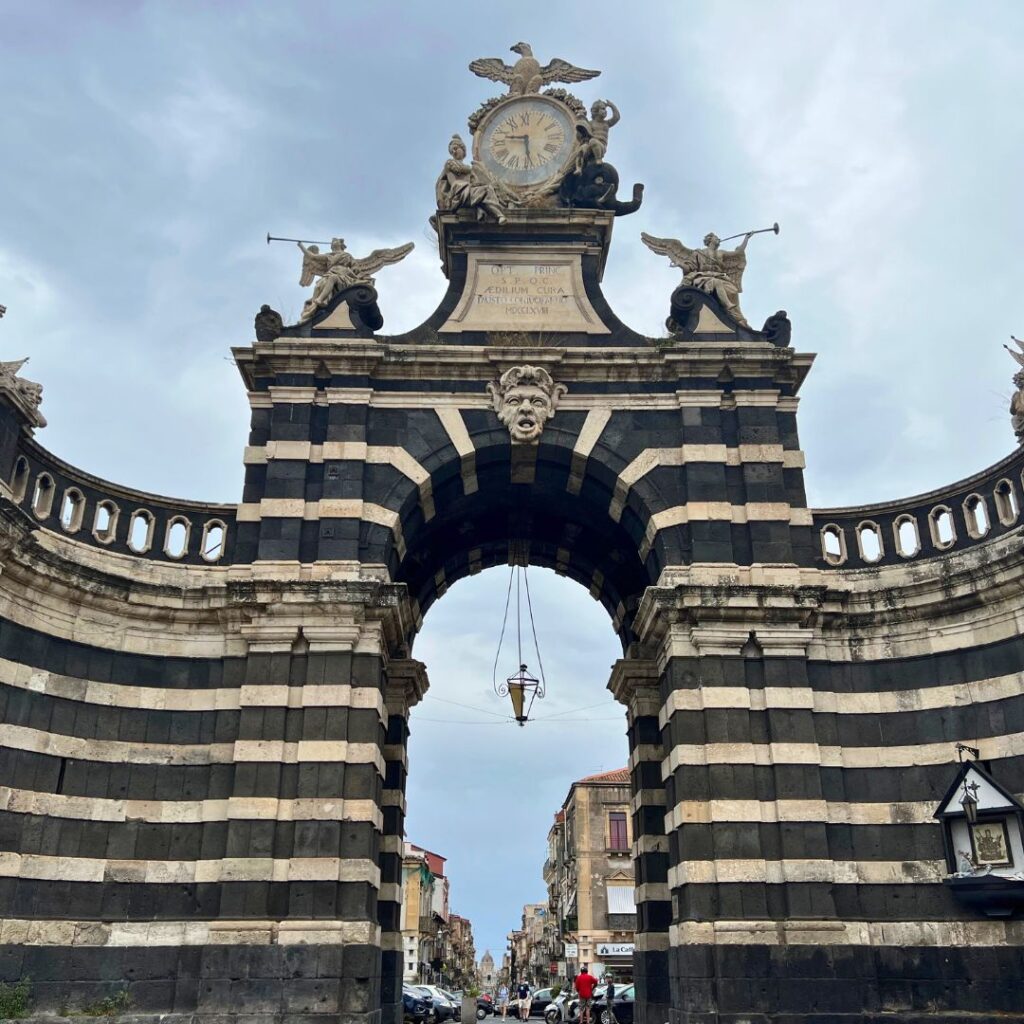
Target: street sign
[(572, 950), (615, 948)]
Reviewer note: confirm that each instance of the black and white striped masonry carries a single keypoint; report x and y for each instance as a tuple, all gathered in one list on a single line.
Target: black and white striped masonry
[(203, 748)]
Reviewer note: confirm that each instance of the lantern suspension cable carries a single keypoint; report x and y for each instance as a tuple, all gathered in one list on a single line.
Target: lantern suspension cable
[(521, 687)]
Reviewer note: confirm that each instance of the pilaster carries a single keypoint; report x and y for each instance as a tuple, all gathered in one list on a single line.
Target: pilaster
[(727, 655), (634, 682), (406, 683)]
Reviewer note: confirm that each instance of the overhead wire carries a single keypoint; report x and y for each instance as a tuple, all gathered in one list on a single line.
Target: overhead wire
[(510, 720), (471, 707), (504, 622), (533, 626), (569, 711)]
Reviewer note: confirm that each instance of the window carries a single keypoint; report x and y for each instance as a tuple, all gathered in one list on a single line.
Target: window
[(19, 483), (617, 837), (621, 899)]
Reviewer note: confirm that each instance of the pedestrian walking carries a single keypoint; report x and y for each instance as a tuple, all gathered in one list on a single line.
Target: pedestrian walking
[(584, 983), (609, 998), (503, 999), (525, 1000)]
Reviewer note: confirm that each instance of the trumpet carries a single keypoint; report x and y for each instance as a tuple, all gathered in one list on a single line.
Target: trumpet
[(760, 231), (308, 241)]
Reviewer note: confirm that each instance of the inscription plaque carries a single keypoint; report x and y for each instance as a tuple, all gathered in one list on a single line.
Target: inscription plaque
[(524, 292)]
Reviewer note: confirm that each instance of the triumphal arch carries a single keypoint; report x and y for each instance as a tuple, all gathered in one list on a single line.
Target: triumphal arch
[(204, 707)]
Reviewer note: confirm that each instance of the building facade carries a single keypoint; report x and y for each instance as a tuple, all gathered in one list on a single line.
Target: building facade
[(460, 954), (437, 946), (487, 973), (205, 707), (418, 930), (589, 877)]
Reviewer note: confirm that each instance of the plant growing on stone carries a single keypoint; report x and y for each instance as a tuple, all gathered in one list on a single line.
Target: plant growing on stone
[(109, 1006), (14, 999)]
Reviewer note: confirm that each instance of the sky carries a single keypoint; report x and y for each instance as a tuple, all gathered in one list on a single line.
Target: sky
[(147, 148)]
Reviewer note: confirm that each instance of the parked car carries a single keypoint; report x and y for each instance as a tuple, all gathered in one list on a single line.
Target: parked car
[(484, 1006), (622, 1004), (541, 1001), (455, 998), (443, 1007), (415, 1009)]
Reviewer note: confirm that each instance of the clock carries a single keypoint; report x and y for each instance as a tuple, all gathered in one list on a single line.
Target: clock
[(526, 140)]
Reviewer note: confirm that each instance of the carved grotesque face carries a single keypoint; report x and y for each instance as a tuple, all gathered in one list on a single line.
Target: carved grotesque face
[(525, 408), (525, 398)]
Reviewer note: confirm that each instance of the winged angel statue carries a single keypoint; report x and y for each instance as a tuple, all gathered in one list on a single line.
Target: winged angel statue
[(1017, 400), (527, 75), (713, 270), (339, 269)]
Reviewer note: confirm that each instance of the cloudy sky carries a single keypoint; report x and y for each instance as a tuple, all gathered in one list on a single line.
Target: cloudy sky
[(147, 148)]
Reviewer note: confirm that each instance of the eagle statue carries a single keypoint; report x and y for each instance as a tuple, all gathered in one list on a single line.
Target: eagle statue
[(526, 75)]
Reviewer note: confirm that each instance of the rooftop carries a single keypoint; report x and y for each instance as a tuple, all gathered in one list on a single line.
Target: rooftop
[(618, 777)]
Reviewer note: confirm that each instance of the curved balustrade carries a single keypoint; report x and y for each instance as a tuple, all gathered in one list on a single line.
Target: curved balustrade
[(962, 515), (92, 511)]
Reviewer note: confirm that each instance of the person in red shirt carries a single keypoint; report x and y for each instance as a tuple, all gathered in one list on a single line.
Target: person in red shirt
[(585, 983)]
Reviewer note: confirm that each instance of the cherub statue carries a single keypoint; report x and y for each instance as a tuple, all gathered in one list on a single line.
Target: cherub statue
[(713, 270), (463, 185), (339, 269), (1017, 401), (593, 144)]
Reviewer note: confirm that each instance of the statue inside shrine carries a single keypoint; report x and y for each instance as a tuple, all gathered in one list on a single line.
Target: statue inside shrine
[(338, 270)]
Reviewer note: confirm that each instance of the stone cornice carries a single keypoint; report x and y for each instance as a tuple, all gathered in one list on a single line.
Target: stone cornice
[(386, 361), (406, 684), (632, 677)]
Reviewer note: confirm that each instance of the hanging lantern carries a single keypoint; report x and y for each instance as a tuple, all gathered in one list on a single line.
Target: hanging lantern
[(522, 688), (969, 802)]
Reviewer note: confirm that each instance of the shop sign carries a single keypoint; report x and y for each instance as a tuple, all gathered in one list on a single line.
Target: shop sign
[(615, 948)]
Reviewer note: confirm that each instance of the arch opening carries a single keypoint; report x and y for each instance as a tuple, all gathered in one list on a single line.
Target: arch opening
[(516, 781)]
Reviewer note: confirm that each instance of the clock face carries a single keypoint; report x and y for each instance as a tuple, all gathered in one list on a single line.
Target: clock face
[(526, 140)]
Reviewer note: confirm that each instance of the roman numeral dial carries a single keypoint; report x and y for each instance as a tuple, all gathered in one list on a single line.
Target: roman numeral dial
[(526, 140)]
